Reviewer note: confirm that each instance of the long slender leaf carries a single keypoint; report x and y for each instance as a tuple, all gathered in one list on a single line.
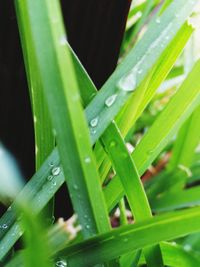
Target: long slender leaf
[(63, 100), (127, 172), (176, 112), (135, 236)]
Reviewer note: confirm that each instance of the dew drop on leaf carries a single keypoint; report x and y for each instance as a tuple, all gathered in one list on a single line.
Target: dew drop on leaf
[(110, 100), (63, 40), (61, 263), (4, 226), (50, 177), (128, 83), (187, 247), (56, 171), (87, 160), (54, 182), (94, 122), (112, 144), (158, 20), (92, 131), (75, 186)]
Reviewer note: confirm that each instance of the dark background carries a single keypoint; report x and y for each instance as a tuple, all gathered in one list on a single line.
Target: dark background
[(95, 31)]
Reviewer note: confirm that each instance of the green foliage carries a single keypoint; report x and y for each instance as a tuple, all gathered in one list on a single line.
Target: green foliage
[(92, 128)]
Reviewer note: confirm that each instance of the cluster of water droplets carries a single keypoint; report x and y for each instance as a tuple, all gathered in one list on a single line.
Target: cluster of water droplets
[(55, 171), (129, 82)]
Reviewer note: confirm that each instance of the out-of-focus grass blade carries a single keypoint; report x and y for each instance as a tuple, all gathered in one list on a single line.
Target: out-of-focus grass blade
[(176, 112), (174, 255), (11, 181), (61, 92), (177, 200), (187, 141), (10, 177), (132, 31), (133, 237)]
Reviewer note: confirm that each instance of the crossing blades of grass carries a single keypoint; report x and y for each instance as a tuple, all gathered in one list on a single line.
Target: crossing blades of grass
[(136, 104), (132, 71), (176, 112), (133, 237), (61, 93), (40, 179), (130, 179)]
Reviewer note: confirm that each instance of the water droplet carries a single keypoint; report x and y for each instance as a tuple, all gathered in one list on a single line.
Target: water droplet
[(187, 247), (53, 182), (50, 177), (87, 160), (129, 82), (94, 122), (125, 239), (87, 226), (140, 71), (55, 171), (185, 169), (51, 164), (63, 40), (112, 144), (174, 243), (158, 20), (75, 186), (150, 151), (34, 119), (110, 100), (61, 263), (92, 131), (4, 226), (85, 216)]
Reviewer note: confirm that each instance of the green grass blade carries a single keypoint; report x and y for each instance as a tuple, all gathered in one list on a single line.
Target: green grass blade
[(66, 112), (174, 255), (176, 112), (133, 188), (133, 237), (114, 191), (127, 172), (45, 172), (187, 141), (44, 139), (177, 200), (132, 71), (136, 105)]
